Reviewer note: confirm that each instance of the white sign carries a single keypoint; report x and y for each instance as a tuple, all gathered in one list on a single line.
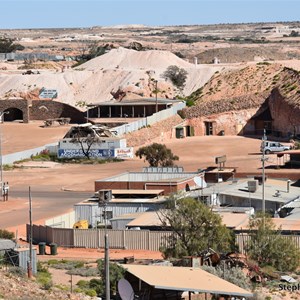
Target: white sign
[(124, 152)]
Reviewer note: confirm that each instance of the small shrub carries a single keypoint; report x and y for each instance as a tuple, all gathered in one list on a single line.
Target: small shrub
[(234, 275), (84, 271), (83, 284), (17, 271), (44, 278), (5, 234), (91, 293)]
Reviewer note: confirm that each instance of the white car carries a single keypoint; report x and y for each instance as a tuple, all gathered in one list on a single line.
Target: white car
[(271, 147)]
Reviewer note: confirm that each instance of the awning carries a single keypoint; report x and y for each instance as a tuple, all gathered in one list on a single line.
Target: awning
[(185, 279)]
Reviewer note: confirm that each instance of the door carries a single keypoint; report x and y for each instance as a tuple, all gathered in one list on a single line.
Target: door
[(208, 128)]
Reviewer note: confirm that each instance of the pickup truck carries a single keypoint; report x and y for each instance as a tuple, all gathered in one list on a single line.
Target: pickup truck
[(271, 147)]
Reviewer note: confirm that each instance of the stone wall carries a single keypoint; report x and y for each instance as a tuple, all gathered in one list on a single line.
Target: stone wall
[(232, 123), (41, 110), (48, 109), (20, 104)]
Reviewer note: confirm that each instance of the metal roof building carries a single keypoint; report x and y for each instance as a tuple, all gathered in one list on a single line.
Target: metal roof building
[(277, 193), (157, 281), (170, 181), (133, 108), (123, 202)]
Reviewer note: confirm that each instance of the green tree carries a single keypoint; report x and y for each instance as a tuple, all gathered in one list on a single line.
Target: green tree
[(269, 248), (177, 76), (157, 155), (7, 45), (195, 228), (116, 272), (5, 234)]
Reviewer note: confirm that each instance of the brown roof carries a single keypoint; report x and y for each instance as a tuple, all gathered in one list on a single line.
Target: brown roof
[(282, 223), (153, 218), (233, 220), (185, 279)]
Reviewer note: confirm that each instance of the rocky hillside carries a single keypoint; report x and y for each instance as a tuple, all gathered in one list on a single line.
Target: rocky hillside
[(13, 287), (243, 89), (288, 84)]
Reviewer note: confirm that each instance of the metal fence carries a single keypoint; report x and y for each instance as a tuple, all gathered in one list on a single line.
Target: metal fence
[(242, 240), (94, 238), (159, 116), (119, 239)]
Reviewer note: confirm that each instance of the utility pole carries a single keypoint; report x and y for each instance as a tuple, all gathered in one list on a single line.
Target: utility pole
[(29, 264), (263, 159), (104, 197)]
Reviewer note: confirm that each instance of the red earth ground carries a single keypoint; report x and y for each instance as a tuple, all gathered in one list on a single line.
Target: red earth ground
[(194, 153)]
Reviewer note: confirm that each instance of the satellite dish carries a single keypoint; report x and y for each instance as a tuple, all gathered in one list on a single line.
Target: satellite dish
[(125, 290), (200, 182)]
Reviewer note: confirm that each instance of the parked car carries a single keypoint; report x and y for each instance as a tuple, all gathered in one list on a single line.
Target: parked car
[(29, 72), (271, 147)]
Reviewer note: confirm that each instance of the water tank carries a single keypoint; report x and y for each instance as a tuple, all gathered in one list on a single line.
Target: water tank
[(252, 186)]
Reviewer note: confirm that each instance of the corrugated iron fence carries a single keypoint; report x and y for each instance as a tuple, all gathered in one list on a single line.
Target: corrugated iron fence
[(94, 238), (242, 240), (118, 239)]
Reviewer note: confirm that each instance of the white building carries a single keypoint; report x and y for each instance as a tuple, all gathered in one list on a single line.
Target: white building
[(96, 141)]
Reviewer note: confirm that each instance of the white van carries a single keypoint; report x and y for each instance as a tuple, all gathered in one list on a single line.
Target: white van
[(271, 147)]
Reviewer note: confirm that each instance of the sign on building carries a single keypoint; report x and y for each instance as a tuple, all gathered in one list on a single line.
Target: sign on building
[(98, 153), (124, 152)]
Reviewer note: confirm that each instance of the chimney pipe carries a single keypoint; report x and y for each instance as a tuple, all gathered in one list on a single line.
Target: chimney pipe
[(288, 186)]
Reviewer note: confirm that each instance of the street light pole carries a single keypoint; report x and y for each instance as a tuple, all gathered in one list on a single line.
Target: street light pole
[(29, 263), (263, 159), (156, 104)]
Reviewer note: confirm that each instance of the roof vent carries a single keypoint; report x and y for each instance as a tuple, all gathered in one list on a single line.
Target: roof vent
[(252, 186)]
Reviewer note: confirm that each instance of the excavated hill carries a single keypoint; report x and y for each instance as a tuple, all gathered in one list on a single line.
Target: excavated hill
[(235, 90), (287, 83), (131, 59), (102, 77)]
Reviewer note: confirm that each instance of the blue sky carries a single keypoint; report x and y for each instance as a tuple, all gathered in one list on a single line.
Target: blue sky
[(79, 13)]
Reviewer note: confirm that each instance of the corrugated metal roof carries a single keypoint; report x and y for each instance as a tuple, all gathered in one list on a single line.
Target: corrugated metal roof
[(140, 101), (138, 192), (233, 220), (151, 177), (185, 279), (7, 244), (152, 218), (282, 223)]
